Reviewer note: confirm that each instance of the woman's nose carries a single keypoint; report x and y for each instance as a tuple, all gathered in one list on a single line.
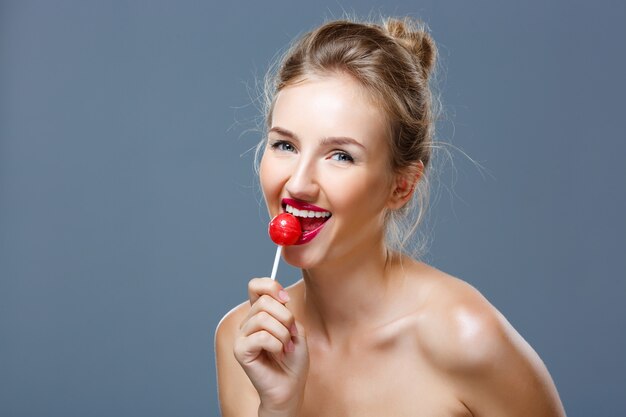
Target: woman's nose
[(302, 183)]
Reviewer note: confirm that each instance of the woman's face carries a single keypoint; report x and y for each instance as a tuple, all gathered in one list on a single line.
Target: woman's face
[(327, 152)]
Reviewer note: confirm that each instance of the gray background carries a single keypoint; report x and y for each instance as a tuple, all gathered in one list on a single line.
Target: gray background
[(130, 222)]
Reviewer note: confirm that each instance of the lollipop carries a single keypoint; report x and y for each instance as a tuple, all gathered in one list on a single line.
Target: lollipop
[(284, 230)]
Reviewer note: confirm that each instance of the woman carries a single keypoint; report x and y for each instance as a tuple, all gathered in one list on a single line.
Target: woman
[(367, 331)]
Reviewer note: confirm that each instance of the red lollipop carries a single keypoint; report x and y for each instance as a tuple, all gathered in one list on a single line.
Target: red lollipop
[(284, 229)]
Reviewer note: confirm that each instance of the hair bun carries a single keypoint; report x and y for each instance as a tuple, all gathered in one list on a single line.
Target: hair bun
[(413, 35)]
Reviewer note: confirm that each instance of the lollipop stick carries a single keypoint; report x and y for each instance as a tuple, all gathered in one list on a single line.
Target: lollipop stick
[(276, 260)]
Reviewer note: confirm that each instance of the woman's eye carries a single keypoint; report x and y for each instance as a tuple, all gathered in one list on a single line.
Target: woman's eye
[(281, 145), (342, 157)]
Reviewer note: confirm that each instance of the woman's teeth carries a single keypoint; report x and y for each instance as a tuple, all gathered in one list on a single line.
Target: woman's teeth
[(306, 213)]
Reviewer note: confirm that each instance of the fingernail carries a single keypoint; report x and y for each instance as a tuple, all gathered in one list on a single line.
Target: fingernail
[(283, 295), (293, 329), (290, 347)]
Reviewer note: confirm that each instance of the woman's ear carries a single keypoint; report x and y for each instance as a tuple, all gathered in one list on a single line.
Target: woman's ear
[(404, 185)]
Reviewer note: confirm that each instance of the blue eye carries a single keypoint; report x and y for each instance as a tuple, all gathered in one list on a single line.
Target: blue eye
[(282, 145), (342, 157)]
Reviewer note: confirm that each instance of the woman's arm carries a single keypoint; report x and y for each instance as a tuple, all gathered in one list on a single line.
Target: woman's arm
[(237, 395)]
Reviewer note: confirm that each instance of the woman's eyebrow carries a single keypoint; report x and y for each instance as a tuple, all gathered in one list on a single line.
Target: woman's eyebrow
[(332, 140), (341, 140), (284, 132)]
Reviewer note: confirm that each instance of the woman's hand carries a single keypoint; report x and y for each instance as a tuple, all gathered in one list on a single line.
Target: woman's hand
[(271, 348)]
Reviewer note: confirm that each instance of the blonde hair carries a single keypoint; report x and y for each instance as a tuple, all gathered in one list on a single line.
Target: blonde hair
[(393, 61)]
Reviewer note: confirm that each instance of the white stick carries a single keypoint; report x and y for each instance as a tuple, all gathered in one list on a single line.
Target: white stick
[(276, 260)]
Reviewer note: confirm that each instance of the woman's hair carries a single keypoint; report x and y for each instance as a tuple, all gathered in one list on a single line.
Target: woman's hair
[(393, 61)]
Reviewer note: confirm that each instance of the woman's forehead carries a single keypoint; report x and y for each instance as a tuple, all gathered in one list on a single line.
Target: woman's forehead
[(329, 106)]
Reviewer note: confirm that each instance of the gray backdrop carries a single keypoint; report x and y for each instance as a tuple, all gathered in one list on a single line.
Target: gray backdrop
[(130, 221)]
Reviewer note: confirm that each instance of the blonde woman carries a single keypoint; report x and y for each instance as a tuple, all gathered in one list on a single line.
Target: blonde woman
[(368, 330)]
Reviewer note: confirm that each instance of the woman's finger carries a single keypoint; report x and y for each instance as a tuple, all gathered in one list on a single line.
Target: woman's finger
[(264, 321), (266, 286), (248, 348), (273, 308)]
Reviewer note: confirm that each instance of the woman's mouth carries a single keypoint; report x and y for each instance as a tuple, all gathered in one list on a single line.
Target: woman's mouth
[(311, 218)]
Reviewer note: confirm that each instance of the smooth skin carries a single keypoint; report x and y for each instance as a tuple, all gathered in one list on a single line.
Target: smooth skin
[(365, 332)]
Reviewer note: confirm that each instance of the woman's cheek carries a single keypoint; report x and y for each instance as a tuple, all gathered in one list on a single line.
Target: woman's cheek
[(265, 177), (273, 175)]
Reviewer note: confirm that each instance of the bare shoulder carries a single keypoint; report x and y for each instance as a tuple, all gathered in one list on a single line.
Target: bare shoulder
[(225, 335), (467, 339), (229, 324), (458, 327), (236, 393)]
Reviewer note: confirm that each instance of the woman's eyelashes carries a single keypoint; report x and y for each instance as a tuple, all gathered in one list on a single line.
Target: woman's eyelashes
[(342, 156), (282, 145)]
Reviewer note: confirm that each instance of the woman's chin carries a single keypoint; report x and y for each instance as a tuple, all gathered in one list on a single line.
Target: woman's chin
[(300, 259)]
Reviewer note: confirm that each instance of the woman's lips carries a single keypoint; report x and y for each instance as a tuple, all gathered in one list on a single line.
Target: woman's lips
[(311, 218), (300, 205), (306, 237)]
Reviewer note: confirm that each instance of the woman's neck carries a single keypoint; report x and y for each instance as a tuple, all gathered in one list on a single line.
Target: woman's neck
[(353, 293)]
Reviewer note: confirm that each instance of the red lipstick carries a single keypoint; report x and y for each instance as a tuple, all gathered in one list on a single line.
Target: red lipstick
[(300, 205), (310, 226)]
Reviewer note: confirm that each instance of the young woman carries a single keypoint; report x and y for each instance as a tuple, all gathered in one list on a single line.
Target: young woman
[(368, 330)]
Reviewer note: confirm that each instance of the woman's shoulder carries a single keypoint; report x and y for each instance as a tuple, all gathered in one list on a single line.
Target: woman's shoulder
[(466, 338), (229, 323), (458, 328)]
